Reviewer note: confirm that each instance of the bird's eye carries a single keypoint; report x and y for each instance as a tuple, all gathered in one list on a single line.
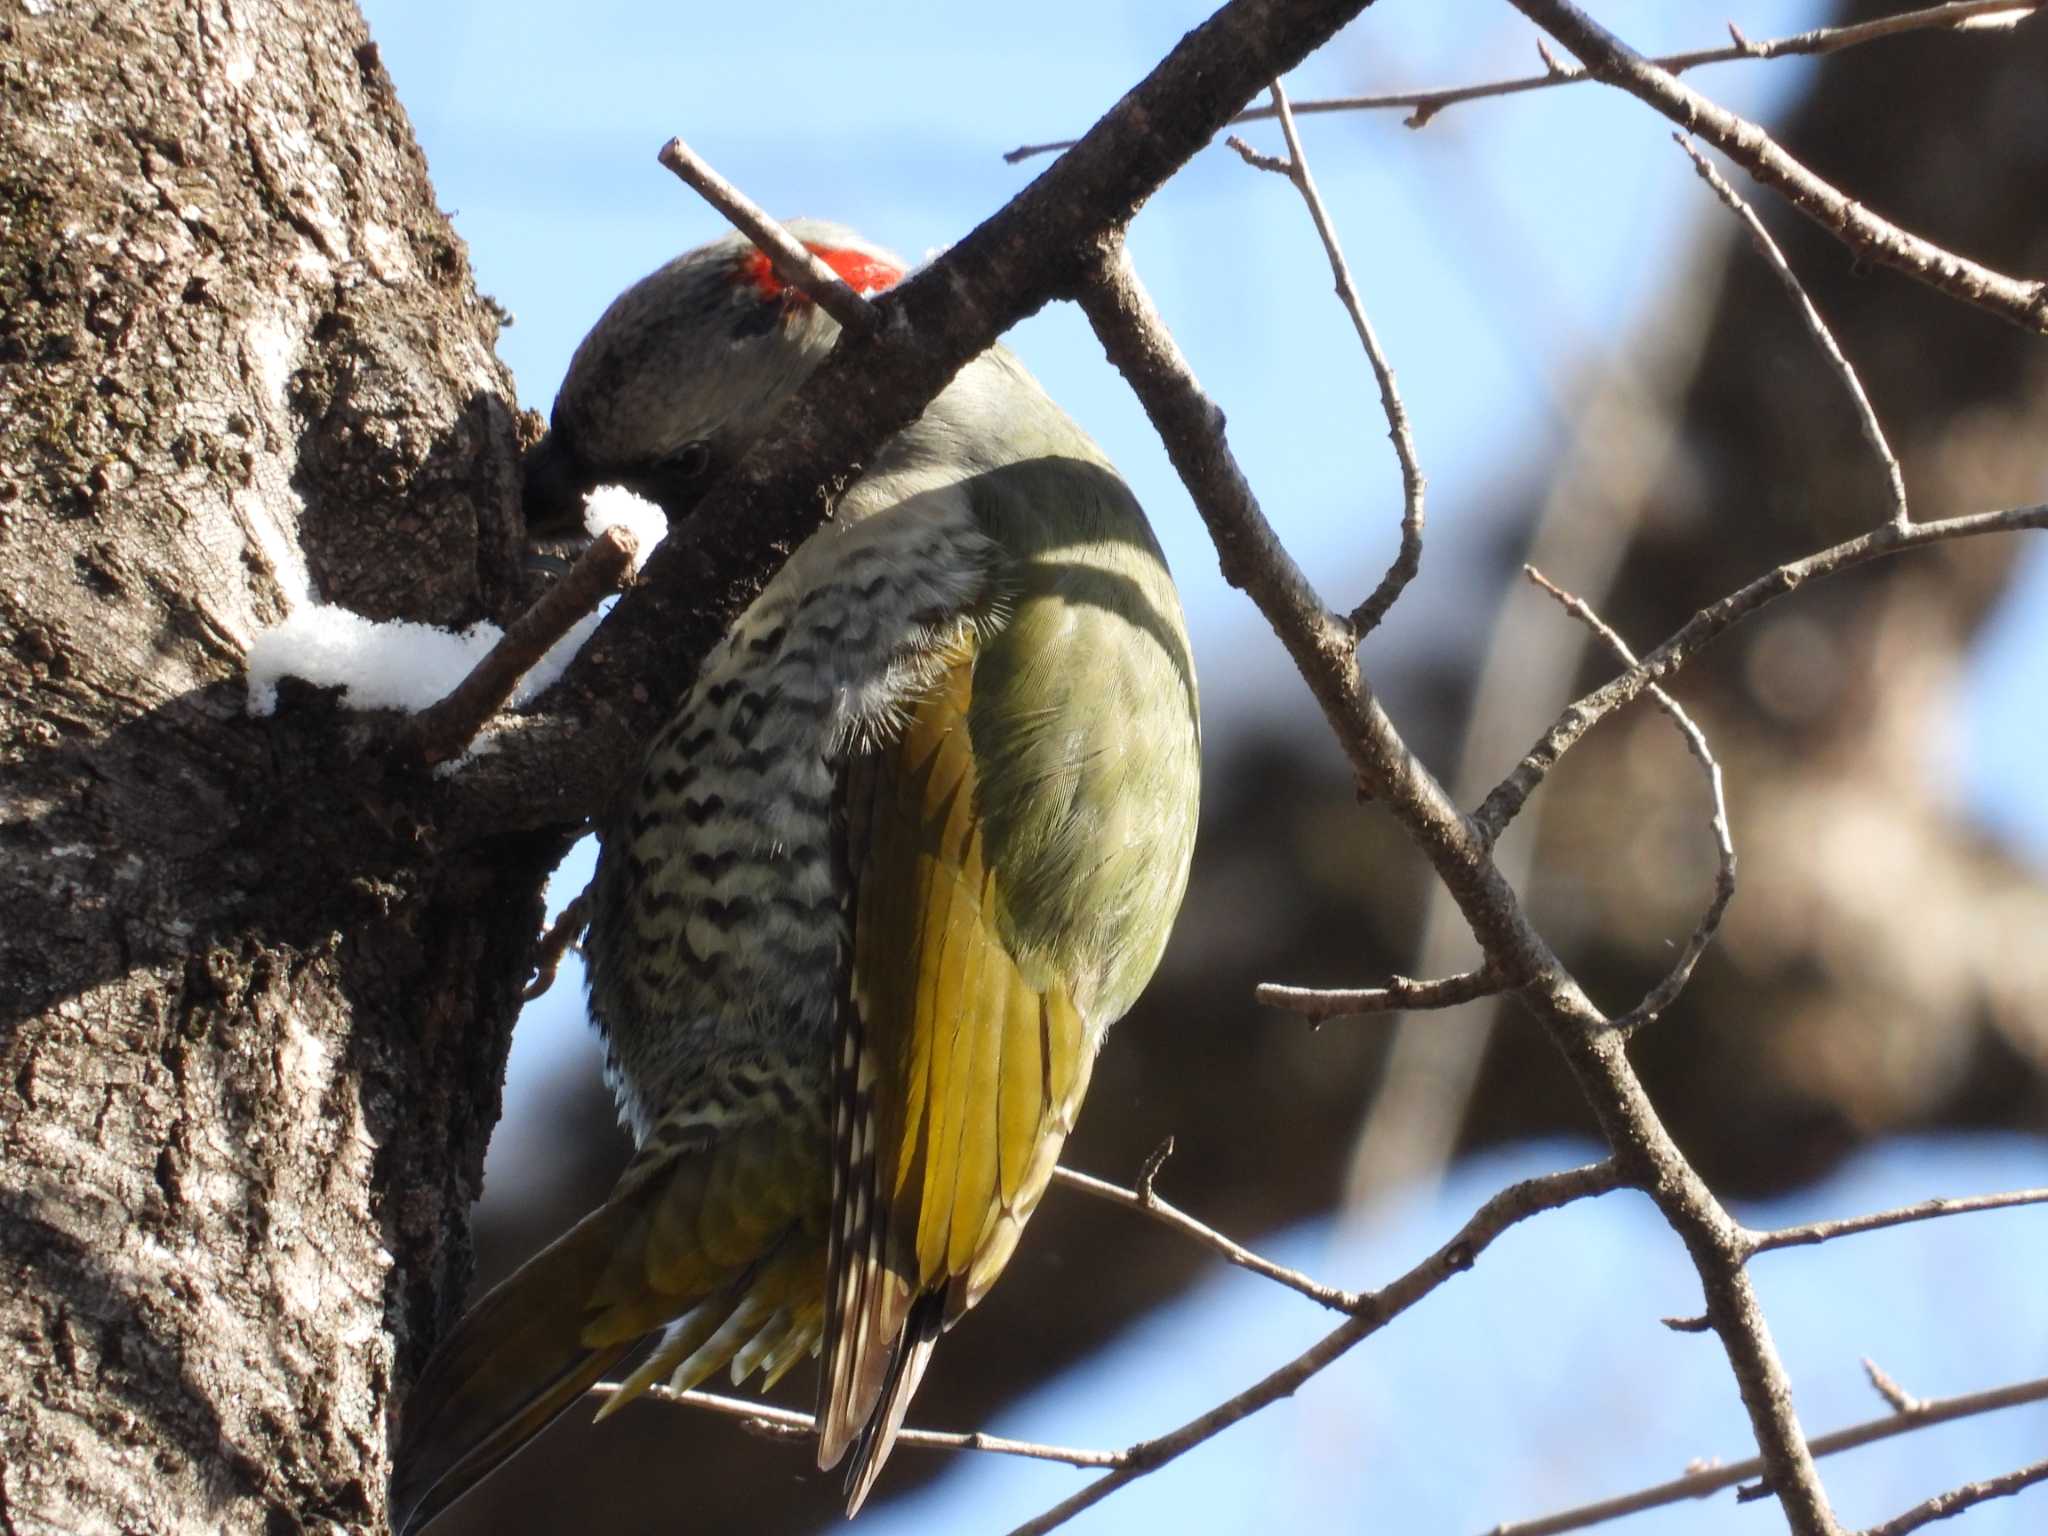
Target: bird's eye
[(676, 481), (690, 460)]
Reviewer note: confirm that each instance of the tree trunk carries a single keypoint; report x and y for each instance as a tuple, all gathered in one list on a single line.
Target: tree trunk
[(252, 1012)]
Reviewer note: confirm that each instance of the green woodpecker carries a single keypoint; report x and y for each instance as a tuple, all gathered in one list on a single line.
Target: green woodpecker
[(912, 843)]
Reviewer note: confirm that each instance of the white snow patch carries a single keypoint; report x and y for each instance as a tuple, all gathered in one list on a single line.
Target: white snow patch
[(613, 506), (396, 665), (389, 665), (548, 670)]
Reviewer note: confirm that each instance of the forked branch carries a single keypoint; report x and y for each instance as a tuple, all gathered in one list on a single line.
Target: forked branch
[(1422, 106), (1609, 59)]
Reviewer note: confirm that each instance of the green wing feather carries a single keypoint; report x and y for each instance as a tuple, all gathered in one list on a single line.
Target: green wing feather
[(964, 1075), (1015, 856)]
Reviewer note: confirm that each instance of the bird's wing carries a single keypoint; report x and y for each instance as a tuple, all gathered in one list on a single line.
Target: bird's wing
[(961, 1067)]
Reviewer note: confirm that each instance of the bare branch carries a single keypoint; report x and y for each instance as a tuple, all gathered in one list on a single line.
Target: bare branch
[(787, 1424), (1516, 1203), (1881, 1382), (1144, 1200), (1258, 161), (1697, 1485), (1148, 1171), (1609, 59), (1318, 1004), (1665, 993), (1508, 797), (445, 729), (1424, 105), (1956, 1500), (1367, 615), (1925, 1210), (1866, 415), (795, 263), (557, 942)]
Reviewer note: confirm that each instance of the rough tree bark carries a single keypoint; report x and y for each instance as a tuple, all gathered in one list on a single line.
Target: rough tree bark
[(252, 1015)]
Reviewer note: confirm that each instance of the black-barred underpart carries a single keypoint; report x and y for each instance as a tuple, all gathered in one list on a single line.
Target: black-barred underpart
[(912, 843)]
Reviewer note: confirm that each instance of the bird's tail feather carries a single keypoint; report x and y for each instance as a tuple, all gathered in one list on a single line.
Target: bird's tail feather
[(514, 1362), (921, 1329)]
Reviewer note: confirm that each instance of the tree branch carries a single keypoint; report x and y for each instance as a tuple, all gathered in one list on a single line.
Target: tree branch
[(1956, 1500), (1424, 105), (1697, 1485), (1318, 1004), (1866, 415), (1367, 615), (788, 1424), (1709, 624), (794, 262), (1881, 1383), (445, 729), (1609, 59), (1146, 1202), (1515, 1203), (1926, 1210), (1666, 992), (557, 942)]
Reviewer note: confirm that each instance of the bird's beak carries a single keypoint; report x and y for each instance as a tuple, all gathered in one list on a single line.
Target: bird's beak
[(555, 485)]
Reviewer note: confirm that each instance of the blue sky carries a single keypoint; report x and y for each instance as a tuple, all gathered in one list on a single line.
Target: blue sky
[(1501, 252)]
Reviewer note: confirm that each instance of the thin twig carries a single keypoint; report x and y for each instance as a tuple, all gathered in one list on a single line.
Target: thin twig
[(788, 1424), (1697, 1485), (1866, 414), (1367, 615), (445, 729), (1148, 1171), (1143, 1199), (1508, 796), (1926, 1210), (1318, 1004), (2022, 302), (1882, 1384), (1516, 1203), (1956, 1500), (557, 942), (795, 263), (1424, 105), (1665, 993)]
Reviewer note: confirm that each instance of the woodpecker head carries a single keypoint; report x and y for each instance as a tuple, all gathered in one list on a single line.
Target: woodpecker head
[(683, 370)]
